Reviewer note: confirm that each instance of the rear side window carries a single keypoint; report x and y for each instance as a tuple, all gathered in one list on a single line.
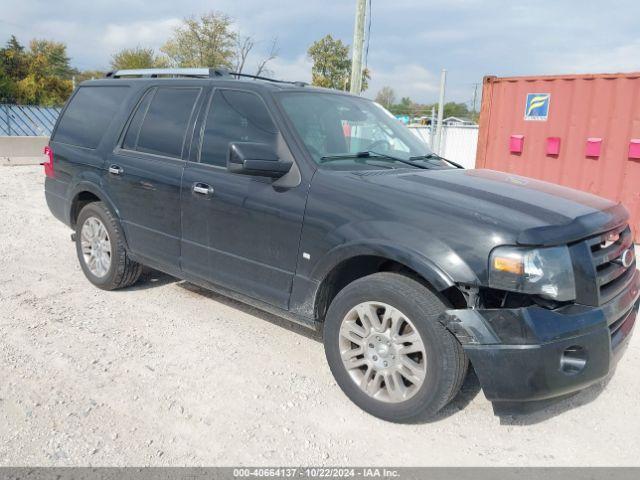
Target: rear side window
[(235, 116), (133, 132), (161, 120), (89, 115)]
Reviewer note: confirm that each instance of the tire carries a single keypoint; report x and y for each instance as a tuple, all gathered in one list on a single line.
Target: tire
[(415, 308), (121, 271)]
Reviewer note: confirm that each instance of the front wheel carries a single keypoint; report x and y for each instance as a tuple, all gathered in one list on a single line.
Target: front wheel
[(387, 350)]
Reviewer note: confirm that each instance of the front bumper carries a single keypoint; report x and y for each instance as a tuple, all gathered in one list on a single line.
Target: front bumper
[(532, 353)]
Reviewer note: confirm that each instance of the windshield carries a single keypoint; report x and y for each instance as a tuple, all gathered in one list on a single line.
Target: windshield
[(345, 132)]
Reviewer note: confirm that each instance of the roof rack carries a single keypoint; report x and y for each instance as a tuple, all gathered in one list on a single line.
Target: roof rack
[(169, 72), (191, 72)]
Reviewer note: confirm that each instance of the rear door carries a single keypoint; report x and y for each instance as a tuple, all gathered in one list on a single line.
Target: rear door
[(144, 172), (81, 139), (240, 232)]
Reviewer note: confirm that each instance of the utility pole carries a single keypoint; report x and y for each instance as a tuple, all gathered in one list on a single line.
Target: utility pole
[(475, 98), (438, 142), (432, 130), (358, 46)]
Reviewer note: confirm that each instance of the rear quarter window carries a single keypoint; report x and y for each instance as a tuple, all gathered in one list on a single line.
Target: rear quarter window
[(89, 115)]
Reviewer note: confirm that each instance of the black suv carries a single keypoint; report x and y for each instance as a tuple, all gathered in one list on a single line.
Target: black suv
[(320, 207)]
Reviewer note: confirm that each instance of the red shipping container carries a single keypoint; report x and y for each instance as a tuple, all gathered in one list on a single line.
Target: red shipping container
[(634, 148), (553, 145), (575, 109), (516, 143), (594, 147)]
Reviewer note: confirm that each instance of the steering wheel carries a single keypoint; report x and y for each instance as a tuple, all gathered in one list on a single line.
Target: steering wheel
[(382, 143)]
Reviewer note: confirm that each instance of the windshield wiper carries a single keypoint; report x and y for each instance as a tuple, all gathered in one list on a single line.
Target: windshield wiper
[(438, 157), (369, 154)]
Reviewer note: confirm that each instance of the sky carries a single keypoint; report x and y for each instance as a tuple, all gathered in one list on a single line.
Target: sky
[(410, 41)]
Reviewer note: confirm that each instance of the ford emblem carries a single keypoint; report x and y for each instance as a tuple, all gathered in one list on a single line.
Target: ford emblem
[(627, 258)]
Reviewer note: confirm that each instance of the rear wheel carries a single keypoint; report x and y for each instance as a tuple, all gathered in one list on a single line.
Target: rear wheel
[(387, 350), (101, 252)]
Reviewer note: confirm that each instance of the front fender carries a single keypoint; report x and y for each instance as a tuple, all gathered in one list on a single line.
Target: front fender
[(432, 258), (414, 260)]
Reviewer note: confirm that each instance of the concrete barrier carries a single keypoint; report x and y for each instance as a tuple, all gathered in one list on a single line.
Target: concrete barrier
[(22, 150)]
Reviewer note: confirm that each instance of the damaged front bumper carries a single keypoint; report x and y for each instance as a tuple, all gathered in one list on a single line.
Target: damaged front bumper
[(532, 353)]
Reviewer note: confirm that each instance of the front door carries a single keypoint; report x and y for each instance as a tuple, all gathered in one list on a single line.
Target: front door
[(240, 232)]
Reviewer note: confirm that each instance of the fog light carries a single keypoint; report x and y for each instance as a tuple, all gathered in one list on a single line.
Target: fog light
[(573, 360)]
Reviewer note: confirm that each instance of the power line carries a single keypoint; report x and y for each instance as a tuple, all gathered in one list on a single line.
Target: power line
[(475, 96)]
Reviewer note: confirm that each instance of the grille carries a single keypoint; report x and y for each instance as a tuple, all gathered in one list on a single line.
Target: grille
[(620, 327), (611, 276)]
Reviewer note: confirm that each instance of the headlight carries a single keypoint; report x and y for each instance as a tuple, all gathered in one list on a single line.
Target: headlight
[(542, 271)]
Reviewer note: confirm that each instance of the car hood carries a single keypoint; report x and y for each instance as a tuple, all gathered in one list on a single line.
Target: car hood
[(539, 213)]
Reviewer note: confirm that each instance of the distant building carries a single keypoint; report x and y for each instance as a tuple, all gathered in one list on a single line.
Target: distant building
[(447, 122), (457, 121)]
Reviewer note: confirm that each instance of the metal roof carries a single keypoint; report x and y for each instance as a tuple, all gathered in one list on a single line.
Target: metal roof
[(27, 120)]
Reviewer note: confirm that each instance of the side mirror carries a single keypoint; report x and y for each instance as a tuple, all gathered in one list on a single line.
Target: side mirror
[(259, 159)]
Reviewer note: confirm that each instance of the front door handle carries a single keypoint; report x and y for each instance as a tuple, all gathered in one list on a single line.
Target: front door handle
[(116, 169), (202, 189)]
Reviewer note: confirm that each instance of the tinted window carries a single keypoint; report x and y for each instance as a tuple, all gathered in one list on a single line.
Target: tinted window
[(333, 125), (89, 115), (165, 123), (131, 138), (235, 116)]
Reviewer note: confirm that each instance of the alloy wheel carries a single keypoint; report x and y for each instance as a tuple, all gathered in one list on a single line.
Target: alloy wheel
[(383, 352), (96, 247)]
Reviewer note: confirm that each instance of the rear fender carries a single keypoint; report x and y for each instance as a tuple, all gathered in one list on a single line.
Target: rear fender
[(90, 182), (85, 185)]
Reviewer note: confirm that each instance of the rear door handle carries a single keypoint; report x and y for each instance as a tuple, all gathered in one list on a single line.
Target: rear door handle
[(202, 189), (116, 170)]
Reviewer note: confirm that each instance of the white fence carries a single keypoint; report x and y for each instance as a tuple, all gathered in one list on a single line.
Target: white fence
[(459, 143)]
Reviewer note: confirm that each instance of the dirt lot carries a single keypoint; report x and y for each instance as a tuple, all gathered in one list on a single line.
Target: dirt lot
[(168, 374)]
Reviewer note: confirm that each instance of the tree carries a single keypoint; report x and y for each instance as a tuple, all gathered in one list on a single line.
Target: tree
[(273, 53), (40, 75), (406, 106), (14, 66), (453, 109), (41, 90), (207, 41), (138, 57), (8, 87), (332, 65), (49, 59), (49, 80), (89, 75), (244, 45), (13, 59), (386, 97)]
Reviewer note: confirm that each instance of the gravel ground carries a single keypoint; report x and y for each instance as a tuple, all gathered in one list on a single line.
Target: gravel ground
[(166, 373)]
